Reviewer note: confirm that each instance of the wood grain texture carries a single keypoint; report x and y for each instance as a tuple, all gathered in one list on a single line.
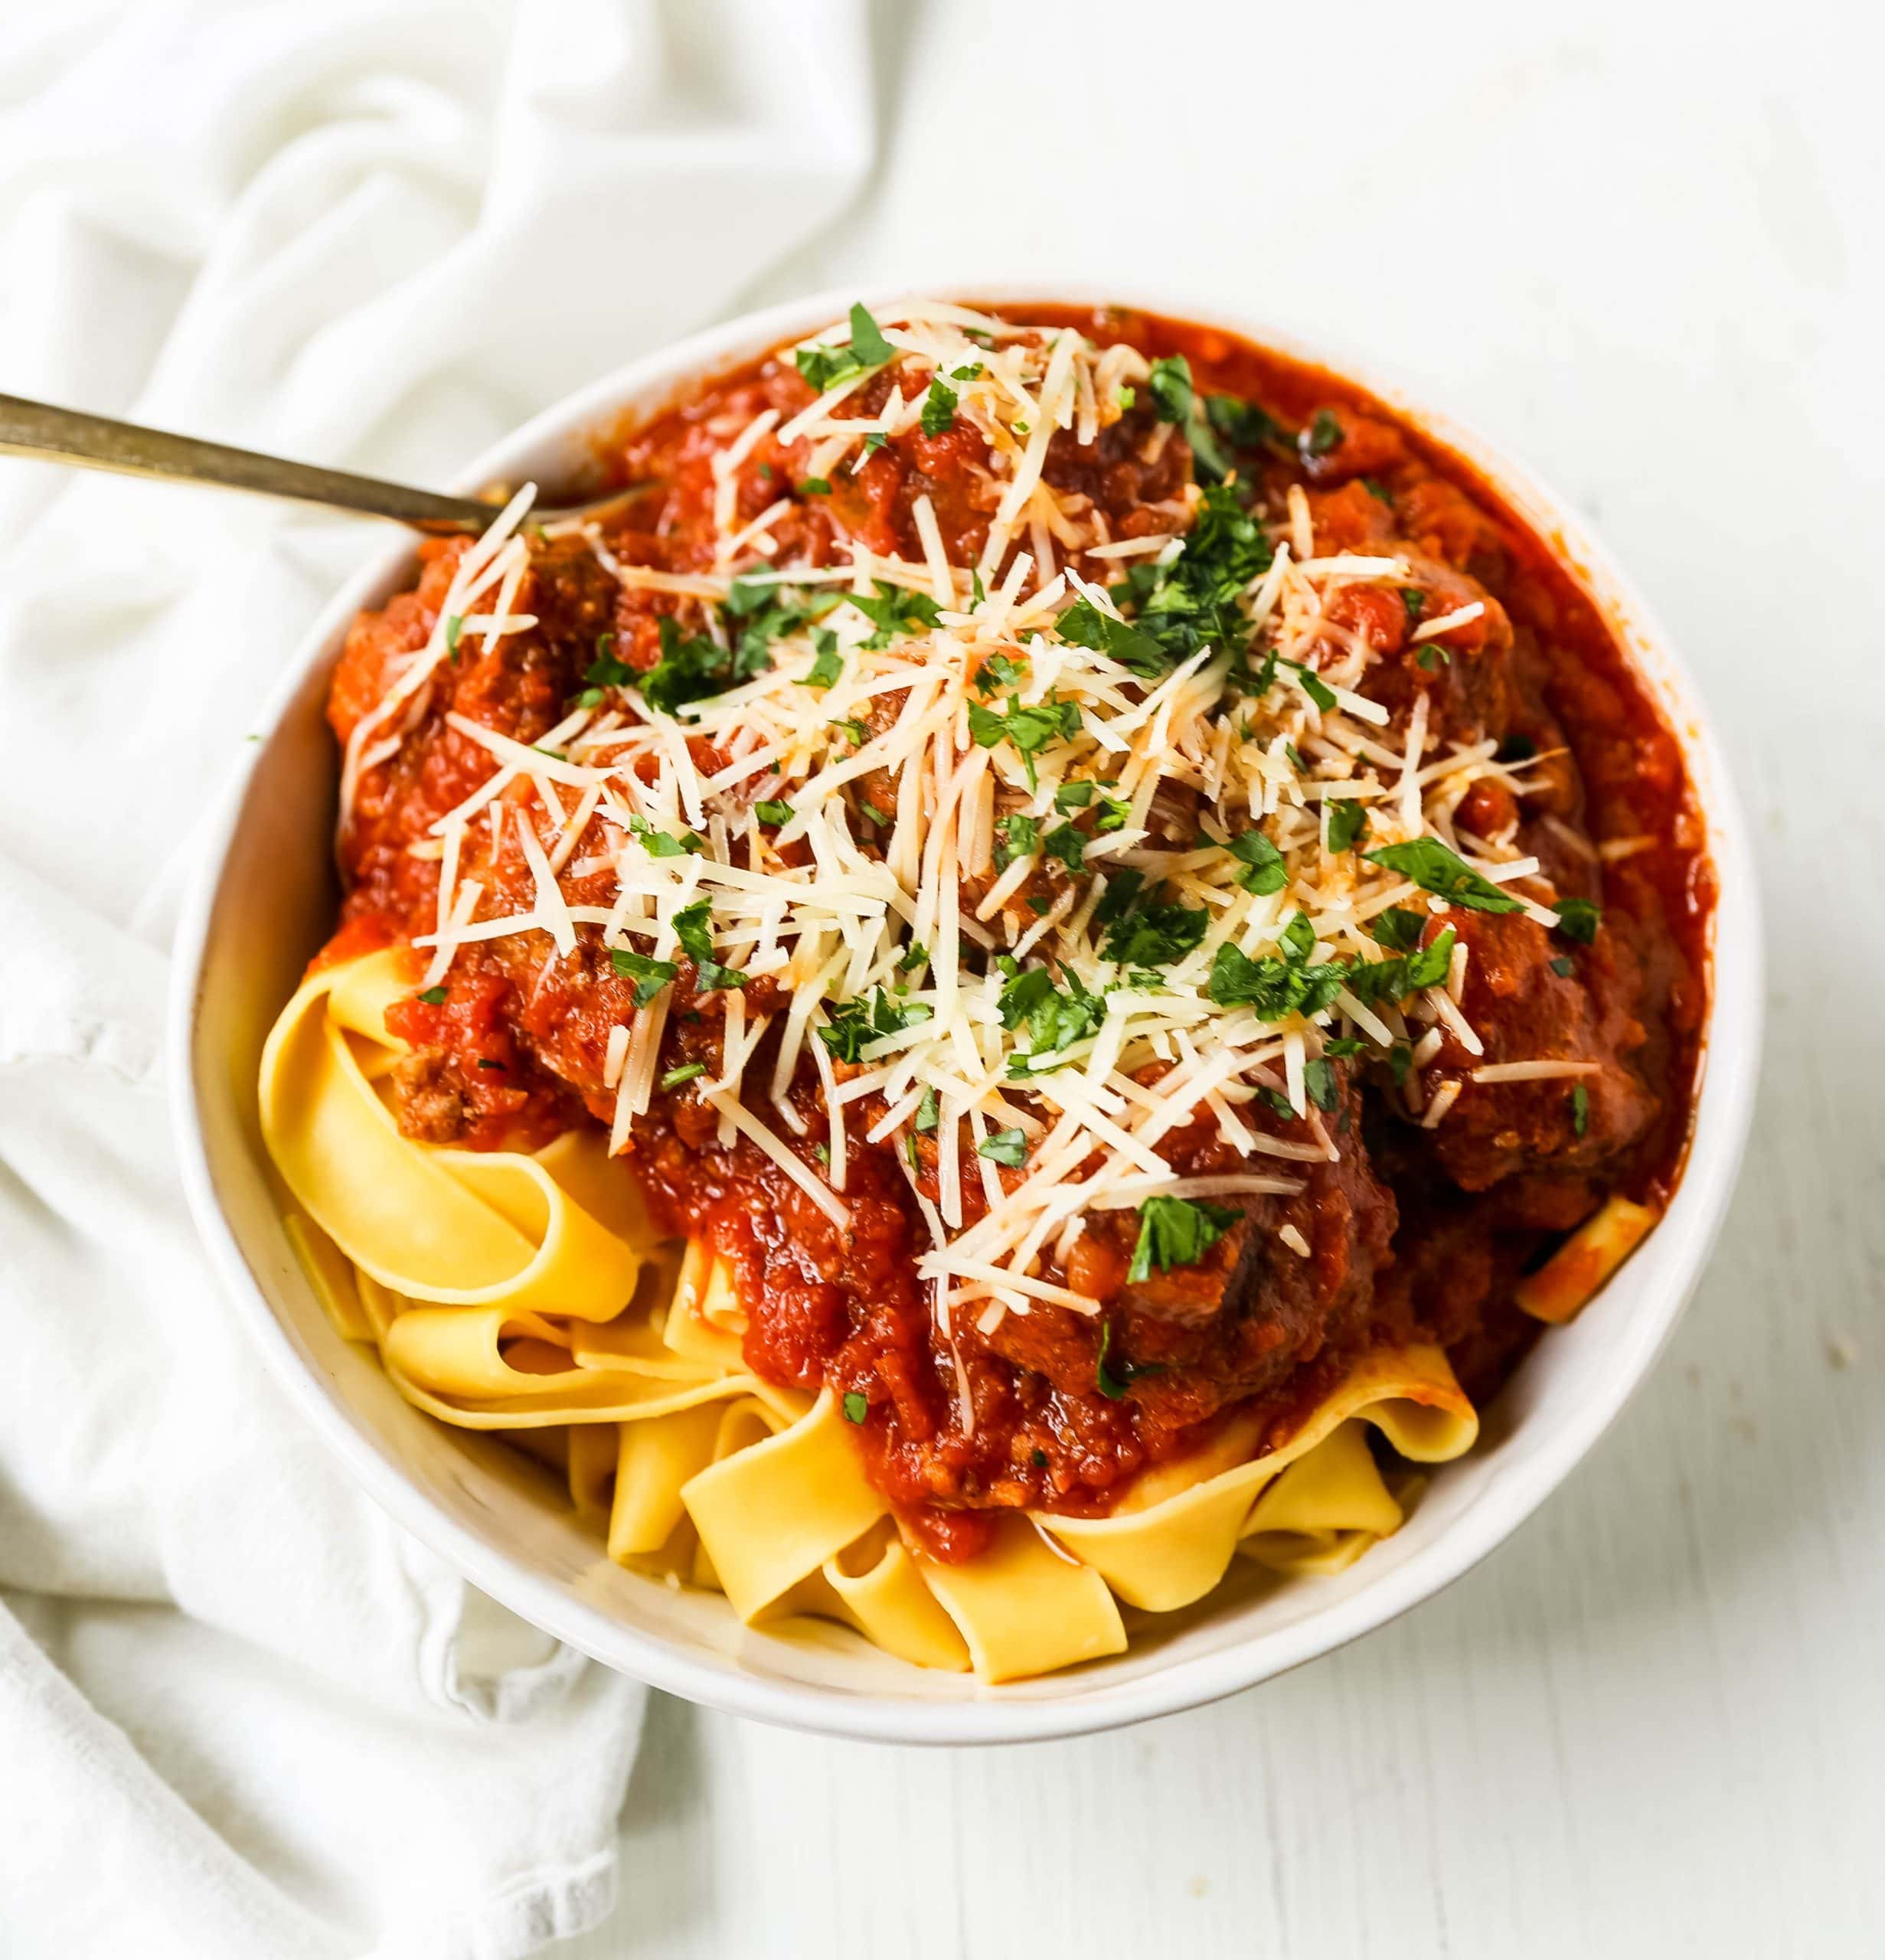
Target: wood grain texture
[(1642, 248)]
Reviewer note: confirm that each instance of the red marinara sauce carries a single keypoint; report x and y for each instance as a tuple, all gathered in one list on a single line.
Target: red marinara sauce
[(516, 1049)]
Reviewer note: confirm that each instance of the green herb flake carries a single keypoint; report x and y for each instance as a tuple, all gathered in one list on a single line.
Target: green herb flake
[(815, 486), (1156, 934), (855, 1023), (1008, 1147), (1348, 823), (688, 1072), (1427, 862), (1415, 601), (1318, 690), (1015, 836), (434, 996), (1264, 871), (1085, 624), (1068, 843), (1318, 1078), (1175, 1231), (485, 1062), (856, 1407), (1074, 795), (1030, 729), (825, 668), (1398, 929), (895, 609), (939, 408), (1564, 966), (771, 811), (454, 626), (1580, 1110), (1323, 434), (650, 975), (1039, 1459), (1578, 919)]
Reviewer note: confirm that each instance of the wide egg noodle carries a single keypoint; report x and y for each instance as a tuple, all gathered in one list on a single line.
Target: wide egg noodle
[(1173, 1537), (531, 1295), (457, 1227)]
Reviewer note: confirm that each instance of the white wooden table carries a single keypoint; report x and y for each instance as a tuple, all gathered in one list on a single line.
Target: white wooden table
[(1641, 246)]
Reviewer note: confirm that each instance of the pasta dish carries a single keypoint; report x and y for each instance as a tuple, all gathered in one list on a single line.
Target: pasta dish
[(1027, 975)]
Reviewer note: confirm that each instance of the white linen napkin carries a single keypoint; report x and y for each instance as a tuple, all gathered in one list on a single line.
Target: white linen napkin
[(241, 1712)]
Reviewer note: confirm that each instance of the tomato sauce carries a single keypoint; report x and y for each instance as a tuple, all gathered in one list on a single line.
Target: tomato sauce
[(516, 1049)]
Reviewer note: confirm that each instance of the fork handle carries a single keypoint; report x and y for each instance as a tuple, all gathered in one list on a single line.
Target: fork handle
[(95, 442)]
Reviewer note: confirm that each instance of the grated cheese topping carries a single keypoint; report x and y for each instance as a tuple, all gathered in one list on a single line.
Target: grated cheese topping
[(1047, 886)]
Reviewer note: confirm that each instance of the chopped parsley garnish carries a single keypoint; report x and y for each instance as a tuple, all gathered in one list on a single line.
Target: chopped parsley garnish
[(1008, 1147), (1264, 871), (691, 928), (1578, 919), (856, 729), (663, 844), (1379, 491), (434, 996), (1563, 966), (1029, 729), (1122, 888), (1415, 602), (1348, 823), (1272, 986), (824, 367), (1279, 1103), (605, 670), (856, 1407), (1427, 862), (917, 956), (454, 626), (1075, 795), (873, 442), (1170, 387), (939, 408), (650, 975), (1175, 399), (1241, 423), (826, 668), (1175, 1231), (999, 671), (687, 1072), (1039, 1459), (485, 1062), (1085, 624), (1323, 434), (1580, 1110), (1318, 690), (1398, 929), (970, 373), (1192, 601), (689, 670), (1374, 980), (1156, 934), (895, 609), (771, 811), (1318, 1078), (854, 1025), (1015, 836), (815, 486), (1068, 843), (1054, 1018), (927, 1115), (1113, 1378), (766, 610)]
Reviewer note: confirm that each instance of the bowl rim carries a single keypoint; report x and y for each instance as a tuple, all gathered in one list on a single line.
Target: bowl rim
[(1723, 1117)]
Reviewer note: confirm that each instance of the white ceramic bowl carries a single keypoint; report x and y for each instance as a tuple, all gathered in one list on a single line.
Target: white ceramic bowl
[(263, 902)]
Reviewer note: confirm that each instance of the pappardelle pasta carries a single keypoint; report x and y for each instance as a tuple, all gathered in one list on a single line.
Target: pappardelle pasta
[(966, 1019)]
